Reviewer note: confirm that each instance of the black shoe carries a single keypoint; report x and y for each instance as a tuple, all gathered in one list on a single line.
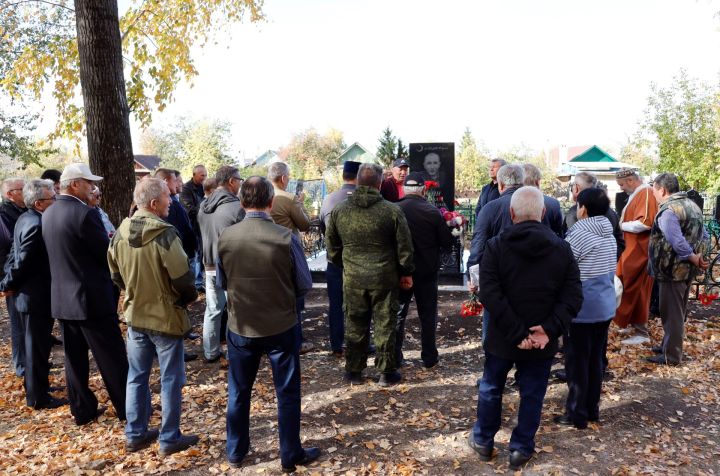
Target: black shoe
[(190, 356), (389, 378), (142, 443), (192, 336), (560, 374), (565, 419), (201, 289), (85, 421), (213, 360), (185, 442), (657, 349), (485, 452), (354, 378), (607, 376), (55, 341), (660, 360), (518, 460), (429, 365), (311, 454), (51, 403), (56, 389), (338, 354)]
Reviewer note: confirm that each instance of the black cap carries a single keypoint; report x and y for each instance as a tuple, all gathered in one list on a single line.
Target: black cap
[(414, 179), (401, 163), (350, 167)]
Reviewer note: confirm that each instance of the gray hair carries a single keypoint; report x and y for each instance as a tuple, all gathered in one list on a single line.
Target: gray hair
[(276, 170), (499, 161), (370, 174), (147, 190), (667, 181), (585, 180), (528, 204), (532, 175), (65, 184), (225, 173), (511, 175), (11, 183), (33, 191), (418, 189)]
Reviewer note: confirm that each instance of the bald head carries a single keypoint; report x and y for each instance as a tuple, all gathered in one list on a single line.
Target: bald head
[(527, 204)]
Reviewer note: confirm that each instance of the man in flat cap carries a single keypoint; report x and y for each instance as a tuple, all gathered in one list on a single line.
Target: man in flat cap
[(392, 187), (636, 221), (333, 274), (429, 234), (82, 296)]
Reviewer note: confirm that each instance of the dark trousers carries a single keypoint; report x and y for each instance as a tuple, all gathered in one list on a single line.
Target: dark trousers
[(244, 355), (17, 337), (102, 336), (584, 353), (336, 318), (532, 377), (425, 291), (38, 344), (673, 308)]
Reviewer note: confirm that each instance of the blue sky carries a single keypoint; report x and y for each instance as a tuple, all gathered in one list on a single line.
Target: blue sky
[(539, 73)]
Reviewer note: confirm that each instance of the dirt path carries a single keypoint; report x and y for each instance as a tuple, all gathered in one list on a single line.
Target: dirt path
[(653, 420)]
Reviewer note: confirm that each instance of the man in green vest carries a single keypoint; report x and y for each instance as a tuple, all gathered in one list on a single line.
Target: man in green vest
[(262, 265), (369, 238), (677, 243)]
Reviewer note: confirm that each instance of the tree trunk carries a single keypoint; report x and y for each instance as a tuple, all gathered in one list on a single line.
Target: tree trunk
[(106, 107)]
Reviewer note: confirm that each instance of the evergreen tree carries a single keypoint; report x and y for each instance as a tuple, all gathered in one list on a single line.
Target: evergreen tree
[(402, 150), (386, 148)]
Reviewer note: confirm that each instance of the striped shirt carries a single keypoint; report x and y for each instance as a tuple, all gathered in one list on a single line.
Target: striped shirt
[(594, 247)]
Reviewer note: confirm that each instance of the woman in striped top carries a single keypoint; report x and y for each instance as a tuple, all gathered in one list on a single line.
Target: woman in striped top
[(594, 247)]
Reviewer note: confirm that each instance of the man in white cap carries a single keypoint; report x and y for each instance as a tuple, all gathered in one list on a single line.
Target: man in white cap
[(82, 295)]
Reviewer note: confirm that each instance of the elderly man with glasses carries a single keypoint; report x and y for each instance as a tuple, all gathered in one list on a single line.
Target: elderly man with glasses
[(28, 280), (11, 208), (217, 212)]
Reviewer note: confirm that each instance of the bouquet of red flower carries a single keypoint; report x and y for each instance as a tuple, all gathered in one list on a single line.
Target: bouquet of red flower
[(471, 307), (454, 220), (706, 298)]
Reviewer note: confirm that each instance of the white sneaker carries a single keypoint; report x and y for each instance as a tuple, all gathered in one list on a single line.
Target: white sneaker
[(626, 331), (636, 340)]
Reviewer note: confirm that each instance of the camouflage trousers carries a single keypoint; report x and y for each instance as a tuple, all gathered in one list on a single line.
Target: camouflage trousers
[(361, 305)]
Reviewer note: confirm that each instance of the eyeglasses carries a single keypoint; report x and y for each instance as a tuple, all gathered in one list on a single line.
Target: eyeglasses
[(15, 190)]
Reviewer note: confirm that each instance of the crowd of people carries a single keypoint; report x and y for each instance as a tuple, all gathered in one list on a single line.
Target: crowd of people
[(544, 277)]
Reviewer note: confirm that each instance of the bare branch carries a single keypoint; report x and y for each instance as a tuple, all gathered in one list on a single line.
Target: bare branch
[(13, 4)]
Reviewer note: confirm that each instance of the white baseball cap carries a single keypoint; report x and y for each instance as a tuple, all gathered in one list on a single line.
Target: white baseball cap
[(77, 171)]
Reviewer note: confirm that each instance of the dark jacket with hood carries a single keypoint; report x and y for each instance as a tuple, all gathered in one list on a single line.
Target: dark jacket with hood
[(528, 277), (217, 212), (369, 238)]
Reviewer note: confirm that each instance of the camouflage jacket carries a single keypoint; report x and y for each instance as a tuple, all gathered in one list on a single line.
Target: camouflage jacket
[(663, 261), (369, 238)]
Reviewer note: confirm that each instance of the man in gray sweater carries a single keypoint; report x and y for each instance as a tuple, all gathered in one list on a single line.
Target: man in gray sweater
[(217, 212)]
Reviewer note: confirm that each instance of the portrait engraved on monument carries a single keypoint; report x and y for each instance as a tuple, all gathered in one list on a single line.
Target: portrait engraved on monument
[(436, 161)]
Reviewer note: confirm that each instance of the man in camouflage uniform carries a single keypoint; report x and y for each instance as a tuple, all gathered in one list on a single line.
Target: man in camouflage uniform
[(369, 238), (677, 244)]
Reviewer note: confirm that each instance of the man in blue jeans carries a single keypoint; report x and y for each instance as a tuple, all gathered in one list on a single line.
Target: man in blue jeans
[(530, 284), (333, 274), (147, 260), (263, 267)]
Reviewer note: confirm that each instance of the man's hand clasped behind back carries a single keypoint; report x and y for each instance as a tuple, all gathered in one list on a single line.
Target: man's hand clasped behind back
[(537, 339)]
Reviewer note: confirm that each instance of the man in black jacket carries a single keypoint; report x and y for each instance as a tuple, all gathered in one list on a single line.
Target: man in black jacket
[(10, 210), (491, 190), (177, 215), (191, 196), (530, 286), (82, 295), (429, 234), (28, 278)]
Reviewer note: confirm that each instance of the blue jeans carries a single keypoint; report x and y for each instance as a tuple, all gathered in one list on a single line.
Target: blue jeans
[(532, 377), (244, 354), (17, 336), (197, 269), (141, 349), (336, 318), (215, 300)]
